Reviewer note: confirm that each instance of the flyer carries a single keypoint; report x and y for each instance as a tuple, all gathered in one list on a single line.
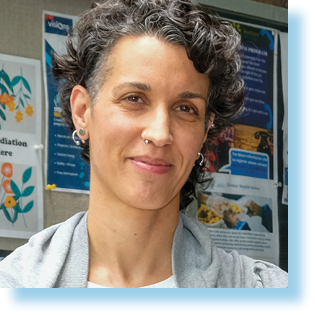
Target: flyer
[(21, 185), (241, 214), (65, 169), (248, 147)]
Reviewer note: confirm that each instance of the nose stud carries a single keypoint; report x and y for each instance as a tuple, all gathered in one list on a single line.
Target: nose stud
[(146, 141)]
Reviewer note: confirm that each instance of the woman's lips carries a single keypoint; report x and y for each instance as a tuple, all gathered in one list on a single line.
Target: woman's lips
[(146, 163)]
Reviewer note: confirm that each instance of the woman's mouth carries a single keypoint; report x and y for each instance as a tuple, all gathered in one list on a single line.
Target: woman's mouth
[(153, 165)]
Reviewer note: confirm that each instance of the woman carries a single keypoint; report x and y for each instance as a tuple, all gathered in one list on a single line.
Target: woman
[(145, 86)]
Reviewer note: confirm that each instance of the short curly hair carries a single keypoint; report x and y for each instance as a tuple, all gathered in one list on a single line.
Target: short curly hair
[(212, 44)]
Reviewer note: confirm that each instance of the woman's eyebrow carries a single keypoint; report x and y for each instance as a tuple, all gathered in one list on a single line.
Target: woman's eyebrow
[(138, 85), (190, 95), (146, 88)]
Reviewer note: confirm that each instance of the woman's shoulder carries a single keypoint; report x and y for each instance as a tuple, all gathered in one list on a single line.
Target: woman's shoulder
[(248, 272), (45, 250)]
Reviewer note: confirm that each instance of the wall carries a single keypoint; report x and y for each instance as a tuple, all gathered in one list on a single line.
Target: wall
[(279, 3)]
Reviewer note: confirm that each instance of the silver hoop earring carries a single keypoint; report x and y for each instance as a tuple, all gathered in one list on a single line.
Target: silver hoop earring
[(146, 141), (73, 137), (201, 163)]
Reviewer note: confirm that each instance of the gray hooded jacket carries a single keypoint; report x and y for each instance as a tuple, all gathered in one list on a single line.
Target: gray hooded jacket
[(58, 257)]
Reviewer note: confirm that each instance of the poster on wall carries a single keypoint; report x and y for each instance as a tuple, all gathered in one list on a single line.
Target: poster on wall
[(21, 185), (241, 215), (240, 207), (65, 169), (248, 148)]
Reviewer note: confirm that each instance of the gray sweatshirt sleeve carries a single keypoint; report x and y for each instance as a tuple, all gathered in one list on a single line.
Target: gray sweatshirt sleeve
[(40, 262), (251, 273)]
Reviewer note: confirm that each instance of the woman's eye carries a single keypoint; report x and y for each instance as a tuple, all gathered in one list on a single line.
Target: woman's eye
[(134, 99), (187, 109)]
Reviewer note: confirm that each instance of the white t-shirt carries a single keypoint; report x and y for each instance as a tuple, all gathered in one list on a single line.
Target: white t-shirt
[(167, 283)]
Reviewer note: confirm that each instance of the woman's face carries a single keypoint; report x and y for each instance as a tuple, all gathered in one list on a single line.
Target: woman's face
[(152, 88)]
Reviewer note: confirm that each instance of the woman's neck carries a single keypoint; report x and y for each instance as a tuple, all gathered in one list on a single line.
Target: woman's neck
[(130, 247)]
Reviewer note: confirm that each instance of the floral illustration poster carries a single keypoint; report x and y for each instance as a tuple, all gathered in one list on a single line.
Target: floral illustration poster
[(21, 188)]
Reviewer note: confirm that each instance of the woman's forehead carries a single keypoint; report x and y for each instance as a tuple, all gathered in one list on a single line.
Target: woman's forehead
[(153, 62)]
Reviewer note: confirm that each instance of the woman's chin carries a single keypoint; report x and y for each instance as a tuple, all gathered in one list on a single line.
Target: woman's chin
[(152, 203)]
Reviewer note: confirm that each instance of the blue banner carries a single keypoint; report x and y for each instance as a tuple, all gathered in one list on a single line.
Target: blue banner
[(66, 169)]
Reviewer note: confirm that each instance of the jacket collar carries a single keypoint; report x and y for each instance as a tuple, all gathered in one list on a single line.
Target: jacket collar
[(194, 261)]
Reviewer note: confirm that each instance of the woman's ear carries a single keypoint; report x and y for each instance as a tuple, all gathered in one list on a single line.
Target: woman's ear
[(80, 107), (211, 119), (210, 124)]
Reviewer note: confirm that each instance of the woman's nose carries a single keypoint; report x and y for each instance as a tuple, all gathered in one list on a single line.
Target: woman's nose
[(158, 128)]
